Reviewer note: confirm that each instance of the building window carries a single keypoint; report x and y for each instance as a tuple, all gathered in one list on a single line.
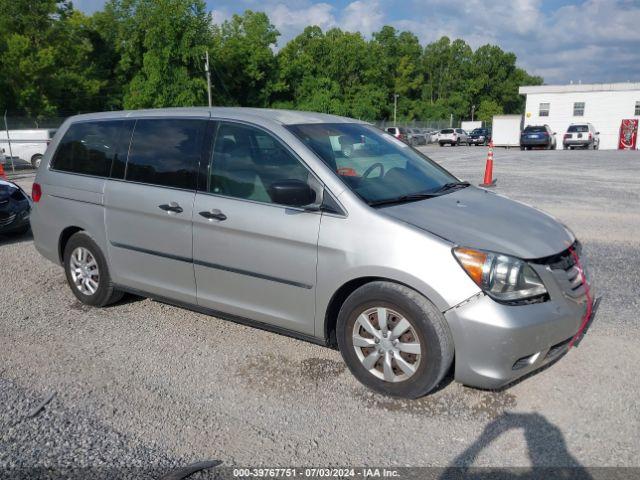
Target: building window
[(578, 109), (544, 110), (637, 114)]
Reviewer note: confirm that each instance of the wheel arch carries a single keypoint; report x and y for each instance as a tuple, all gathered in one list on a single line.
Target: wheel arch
[(65, 235), (341, 294)]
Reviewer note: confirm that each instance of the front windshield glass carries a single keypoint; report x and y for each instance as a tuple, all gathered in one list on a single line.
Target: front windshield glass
[(374, 164)]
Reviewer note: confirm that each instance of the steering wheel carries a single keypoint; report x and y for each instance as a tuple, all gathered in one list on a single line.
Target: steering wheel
[(372, 168)]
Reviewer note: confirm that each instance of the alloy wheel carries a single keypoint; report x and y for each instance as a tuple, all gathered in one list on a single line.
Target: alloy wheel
[(84, 271)]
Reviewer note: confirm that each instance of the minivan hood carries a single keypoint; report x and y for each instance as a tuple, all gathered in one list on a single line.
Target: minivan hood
[(480, 219)]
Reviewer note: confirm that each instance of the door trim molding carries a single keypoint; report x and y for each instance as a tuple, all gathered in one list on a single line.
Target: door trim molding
[(213, 265)]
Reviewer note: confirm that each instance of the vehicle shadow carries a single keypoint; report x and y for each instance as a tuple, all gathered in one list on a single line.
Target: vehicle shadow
[(546, 449), (12, 239)]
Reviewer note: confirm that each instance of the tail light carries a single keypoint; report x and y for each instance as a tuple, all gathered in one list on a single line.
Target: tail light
[(590, 137), (567, 135), (401, 136), (36, 192)]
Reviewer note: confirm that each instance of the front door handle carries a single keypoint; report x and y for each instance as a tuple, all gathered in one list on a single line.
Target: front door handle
[(213, 214), (171, 207)]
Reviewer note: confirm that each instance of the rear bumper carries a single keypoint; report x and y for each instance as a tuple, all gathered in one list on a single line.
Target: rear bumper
[(496, 344), (577, 143), (535, 142)]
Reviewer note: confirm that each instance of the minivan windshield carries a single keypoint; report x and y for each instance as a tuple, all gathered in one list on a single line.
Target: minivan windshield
[(375, 165), (578, 128), (533, 129)]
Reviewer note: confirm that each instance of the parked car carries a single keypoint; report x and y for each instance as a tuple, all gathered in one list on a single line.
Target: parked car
[(453, 137), (581, 135), (416, 137), (317, 226), (536, 136), (400, 133), (480, 136), (27, 146), (431, 134), (15, 208)]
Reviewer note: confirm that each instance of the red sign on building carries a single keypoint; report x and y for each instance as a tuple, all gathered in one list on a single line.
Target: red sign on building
[(628, 135)]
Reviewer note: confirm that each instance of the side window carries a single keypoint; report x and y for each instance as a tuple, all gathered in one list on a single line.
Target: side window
[(544, 109), (247, 160), (91, 148), (166, 152)]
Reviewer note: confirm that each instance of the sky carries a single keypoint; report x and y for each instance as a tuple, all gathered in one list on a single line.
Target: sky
[(588, 41)]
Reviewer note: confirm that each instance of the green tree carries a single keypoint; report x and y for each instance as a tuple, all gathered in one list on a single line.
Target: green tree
[(162, 45), (243, 60), (487, 109), (47, 58)]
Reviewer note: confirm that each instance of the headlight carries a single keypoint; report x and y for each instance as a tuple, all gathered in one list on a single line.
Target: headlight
[(502, 277), (481, 137)]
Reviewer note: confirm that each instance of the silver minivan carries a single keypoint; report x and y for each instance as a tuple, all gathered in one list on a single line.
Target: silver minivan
[(316, 226)]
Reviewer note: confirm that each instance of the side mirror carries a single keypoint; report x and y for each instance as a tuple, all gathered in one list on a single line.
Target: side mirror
[(292, 193), (597, 133)]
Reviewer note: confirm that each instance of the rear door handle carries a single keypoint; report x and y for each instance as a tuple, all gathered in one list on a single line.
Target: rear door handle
[(213, 214), (171, 207)]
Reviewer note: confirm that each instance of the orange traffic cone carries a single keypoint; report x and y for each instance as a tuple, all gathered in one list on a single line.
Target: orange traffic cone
[(489, 181), (2, 172)]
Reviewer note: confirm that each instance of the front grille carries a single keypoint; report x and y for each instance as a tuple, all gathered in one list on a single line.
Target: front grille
[(6, 220), (567, 272)]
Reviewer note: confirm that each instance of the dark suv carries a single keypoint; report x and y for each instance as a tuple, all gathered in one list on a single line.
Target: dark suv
[(537, 136), (480, 136)]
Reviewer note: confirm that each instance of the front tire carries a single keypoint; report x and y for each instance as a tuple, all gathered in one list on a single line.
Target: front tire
[(87, 272), (394, 340)]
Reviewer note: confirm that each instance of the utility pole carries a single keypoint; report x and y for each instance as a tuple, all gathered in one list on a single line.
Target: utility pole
[(451, 120), (473, 109), (395, 107), (206, 69), (6, 126)]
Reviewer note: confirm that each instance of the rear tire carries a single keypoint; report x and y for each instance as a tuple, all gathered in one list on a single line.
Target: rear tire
[(414, 324), (87, 272)]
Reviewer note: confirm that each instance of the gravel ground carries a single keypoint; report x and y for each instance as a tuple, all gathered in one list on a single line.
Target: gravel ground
[(146, 384)]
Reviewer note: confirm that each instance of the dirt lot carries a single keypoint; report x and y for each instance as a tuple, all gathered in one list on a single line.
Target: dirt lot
[(150, 385)]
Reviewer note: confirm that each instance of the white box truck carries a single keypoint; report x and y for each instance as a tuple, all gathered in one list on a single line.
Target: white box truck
[(505, 130), (470, 125), (25, 146)]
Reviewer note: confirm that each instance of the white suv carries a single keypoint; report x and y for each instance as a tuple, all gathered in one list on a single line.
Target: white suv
[(453, 136), (581, 135)]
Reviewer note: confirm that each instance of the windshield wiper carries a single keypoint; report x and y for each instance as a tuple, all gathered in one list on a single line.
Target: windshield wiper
[(451, 186), (403, 199)]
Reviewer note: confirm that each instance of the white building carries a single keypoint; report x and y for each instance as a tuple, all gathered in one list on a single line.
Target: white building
[(604, 105)]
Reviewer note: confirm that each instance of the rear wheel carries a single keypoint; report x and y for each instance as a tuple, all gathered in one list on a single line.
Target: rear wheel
[(394, 340), (87, 272)]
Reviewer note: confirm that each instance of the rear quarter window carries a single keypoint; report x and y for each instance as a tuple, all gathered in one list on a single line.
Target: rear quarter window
[(91, 148)]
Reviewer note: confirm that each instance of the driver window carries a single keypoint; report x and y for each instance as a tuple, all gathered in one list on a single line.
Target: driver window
[(247, 160)]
